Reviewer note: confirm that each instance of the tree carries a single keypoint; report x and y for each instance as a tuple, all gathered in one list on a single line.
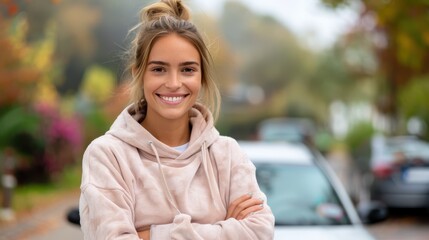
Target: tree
[(33, 119), (18, 78), (268, 54), (401, 42), (413, 102)]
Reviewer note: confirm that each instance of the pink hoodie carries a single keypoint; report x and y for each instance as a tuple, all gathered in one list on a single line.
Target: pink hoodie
[(131, 180)]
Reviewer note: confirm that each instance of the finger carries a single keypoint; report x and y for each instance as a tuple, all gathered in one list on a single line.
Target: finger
[(235, 203), (246, 212), (244, 205)]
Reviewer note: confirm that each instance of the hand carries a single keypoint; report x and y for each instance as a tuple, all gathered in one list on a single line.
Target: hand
[(243, 206), (144, 233)]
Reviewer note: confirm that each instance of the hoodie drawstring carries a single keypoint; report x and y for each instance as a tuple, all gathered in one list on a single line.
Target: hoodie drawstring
[(208, 170), (164, 181)]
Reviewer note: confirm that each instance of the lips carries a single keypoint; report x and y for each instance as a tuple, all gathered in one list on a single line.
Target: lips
[(172, 99)]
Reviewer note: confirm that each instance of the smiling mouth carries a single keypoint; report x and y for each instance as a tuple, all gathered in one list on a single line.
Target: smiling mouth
[(172, 100)]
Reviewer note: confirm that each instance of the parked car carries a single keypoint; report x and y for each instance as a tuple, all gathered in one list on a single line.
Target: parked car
[(300, 130), (400, 166), (306, 197)]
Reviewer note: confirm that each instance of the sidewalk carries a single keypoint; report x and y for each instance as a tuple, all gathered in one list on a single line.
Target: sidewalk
[(48, 223)]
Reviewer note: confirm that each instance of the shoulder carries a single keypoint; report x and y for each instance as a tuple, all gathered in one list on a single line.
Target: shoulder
[(105, 155), (227, 149), (103, 142), (226, 142), (105, 147)]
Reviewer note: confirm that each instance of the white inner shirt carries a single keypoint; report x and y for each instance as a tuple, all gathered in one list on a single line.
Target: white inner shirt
[(182, 148)]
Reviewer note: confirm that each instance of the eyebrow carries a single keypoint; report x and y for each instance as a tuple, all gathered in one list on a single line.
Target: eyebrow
[(187, 63)]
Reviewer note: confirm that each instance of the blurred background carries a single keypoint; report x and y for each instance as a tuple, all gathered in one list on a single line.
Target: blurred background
[(354, 68)]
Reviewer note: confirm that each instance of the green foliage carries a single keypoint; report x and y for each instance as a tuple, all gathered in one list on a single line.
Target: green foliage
[(404, 22), (358, 143), (269, 55), (16, 121), (359, 136), (414, 99), (336, 3), (96, 123), (98, 84), (34, 195), (323, 140), (44, 139), (401, 47), (241, 122)]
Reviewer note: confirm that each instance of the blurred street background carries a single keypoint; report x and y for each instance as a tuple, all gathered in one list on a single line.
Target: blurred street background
[(356, 69)]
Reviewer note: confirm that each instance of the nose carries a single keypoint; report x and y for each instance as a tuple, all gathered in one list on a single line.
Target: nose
[(173, 81)]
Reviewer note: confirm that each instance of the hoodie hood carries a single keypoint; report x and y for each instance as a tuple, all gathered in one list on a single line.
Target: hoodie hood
[(127, 127)]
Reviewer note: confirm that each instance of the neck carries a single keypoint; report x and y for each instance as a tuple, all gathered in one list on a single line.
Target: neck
[(171, 132)]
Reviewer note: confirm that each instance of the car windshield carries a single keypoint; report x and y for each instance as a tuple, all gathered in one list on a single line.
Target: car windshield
[(300, 195)]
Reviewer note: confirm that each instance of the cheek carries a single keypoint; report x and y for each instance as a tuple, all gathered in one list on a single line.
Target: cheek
[(148, 90), (198, 83), (196, 88), (148, 84)]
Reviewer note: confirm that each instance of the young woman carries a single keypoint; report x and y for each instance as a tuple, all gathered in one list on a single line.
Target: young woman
[(162, 171)]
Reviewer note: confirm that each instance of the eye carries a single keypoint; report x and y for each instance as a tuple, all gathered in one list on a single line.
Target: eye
[(158, 69), (188, 70)]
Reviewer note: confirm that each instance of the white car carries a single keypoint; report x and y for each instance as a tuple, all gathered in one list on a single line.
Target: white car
[(306, 197)]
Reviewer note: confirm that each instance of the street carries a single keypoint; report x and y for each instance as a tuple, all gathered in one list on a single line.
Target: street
[(49, 223), (403, 224)]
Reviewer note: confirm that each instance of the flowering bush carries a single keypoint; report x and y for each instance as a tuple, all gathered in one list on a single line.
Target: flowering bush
[(45, 141), (62, 139), (33, 121)]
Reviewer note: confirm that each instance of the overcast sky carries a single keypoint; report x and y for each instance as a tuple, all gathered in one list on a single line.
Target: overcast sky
[(316, 24)]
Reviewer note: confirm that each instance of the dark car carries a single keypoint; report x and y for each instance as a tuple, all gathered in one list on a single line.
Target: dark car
[(400, 166)]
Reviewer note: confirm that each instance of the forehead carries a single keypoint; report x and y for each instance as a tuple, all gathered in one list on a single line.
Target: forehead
[(174, 47)]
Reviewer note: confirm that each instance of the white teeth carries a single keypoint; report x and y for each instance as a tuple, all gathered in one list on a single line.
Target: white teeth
[(172, 99)]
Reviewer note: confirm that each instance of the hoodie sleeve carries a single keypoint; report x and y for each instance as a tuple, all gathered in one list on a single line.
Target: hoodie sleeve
[(106, 206), (242, 180)]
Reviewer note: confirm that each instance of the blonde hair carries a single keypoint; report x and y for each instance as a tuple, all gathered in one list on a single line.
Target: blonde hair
[(158, 20)]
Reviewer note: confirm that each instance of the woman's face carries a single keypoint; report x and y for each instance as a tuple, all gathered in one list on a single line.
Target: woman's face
[(172, 78)]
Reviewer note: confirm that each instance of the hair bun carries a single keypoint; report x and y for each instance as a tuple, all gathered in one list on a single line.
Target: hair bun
[(172, 8)]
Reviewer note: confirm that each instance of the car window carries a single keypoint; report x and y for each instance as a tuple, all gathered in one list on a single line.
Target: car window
[(281, 132), (411, 148), (300, 195)]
